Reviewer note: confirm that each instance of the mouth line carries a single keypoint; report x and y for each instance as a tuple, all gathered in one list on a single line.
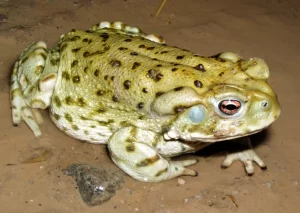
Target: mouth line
[(214, 139)]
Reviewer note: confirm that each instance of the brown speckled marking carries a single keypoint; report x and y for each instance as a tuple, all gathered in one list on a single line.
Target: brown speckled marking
[(221, 74), (180, 108), (115, 98), (159, 94), (75, 127), (148, 161), (161, 172), (200, 67), (174, 69), (57, 101), (150, 48), (140, 105), (104, 37), (142, 46), (145, 90), (158, 65), (54, 62), (38, 69), (96, 73), (135, 65), (198, 83), (66, 75), (75, 38), (68, 117), (180, 57), (134, 53), (127, 84), (115, 63), (99, 92), (88, 54), (56, 116), (100, 110), (69, 100), (75, 50), (178, 88), (81, 102), (130, 147), (122, 48), (163, 52), (76, 79), (128, 40), (154, 74), (74, 63)]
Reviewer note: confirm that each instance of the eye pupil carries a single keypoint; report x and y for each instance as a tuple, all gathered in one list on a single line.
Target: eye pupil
[(229, 107)]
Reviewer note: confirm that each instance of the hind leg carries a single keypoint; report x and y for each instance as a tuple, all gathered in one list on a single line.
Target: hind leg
[(30, 86)]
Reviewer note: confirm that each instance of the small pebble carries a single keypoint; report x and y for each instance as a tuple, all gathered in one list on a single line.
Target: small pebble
[(269, 185), (181, 181), (186, 200)]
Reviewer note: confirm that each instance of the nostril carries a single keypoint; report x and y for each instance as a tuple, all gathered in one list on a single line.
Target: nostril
[(264, 104)]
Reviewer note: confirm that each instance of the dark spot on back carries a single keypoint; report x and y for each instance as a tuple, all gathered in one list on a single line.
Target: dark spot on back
[(178, 88), (74, 63), (198, 83), (76, 79), (200, 67), (115, 98), (127, 84), (128, 40), (75, 38), (140, 105), (115, 63), (134, 53), (159, 94), (180, 57), (99, 92), (104, 36), (96, 73), (75, 50), (135, 65)]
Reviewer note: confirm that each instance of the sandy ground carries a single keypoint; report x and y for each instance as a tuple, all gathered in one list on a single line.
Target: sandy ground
[(268, 29)]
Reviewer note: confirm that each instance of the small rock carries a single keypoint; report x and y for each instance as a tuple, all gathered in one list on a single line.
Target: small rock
[(181, 181), (186, 200), (96, 185)]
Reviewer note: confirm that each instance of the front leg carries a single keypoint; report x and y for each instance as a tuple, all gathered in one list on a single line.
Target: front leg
[(247, 156), (133, 150)]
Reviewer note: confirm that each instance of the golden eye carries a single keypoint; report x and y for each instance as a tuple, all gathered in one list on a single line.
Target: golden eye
[(229, 107)]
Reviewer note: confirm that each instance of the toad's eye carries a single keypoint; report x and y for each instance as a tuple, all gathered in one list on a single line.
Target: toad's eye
[(229, 107)]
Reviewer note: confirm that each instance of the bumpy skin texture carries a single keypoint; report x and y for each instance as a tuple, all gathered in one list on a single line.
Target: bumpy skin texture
[(148, 101)]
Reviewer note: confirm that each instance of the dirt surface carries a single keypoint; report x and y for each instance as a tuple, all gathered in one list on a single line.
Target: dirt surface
[(268, 29)]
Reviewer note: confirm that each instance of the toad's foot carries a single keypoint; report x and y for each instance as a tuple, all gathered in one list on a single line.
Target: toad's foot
[(247, 156), (130, 148)]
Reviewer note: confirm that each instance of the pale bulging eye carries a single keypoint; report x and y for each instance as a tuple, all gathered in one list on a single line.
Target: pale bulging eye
[(229, 107)]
